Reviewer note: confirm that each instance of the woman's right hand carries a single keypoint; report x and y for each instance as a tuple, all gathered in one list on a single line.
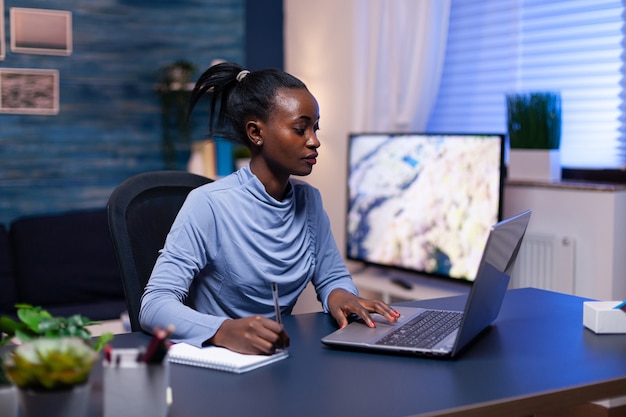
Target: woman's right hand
[(251, 335)]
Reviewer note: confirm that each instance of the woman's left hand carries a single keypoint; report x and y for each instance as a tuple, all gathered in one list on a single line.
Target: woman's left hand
[(342, 303)]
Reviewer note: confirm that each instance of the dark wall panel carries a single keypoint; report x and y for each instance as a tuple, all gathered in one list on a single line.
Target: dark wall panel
[(264, 34)]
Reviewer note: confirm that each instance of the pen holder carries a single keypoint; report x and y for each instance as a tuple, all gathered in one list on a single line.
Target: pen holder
[(135, 389)]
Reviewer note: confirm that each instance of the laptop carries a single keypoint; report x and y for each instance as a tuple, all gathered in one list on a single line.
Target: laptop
[(445, 333)]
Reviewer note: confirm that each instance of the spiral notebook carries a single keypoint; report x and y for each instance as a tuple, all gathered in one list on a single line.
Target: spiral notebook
[(221, 359)]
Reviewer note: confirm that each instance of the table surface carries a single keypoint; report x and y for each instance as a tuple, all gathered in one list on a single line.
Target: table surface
[(537, 356)]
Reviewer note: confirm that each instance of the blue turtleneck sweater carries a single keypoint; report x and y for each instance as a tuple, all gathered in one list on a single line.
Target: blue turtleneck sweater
[(230, 240)]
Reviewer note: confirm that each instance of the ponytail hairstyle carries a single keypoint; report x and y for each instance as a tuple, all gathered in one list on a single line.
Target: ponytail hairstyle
[(238, 95)]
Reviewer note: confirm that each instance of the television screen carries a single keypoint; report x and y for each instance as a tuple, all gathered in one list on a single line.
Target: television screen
[(423, 202)]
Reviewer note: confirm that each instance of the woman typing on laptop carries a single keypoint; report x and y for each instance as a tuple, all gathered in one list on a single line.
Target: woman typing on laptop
[(234, 237)]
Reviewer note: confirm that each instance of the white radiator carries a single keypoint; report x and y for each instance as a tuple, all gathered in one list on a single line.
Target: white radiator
[(545, 262)]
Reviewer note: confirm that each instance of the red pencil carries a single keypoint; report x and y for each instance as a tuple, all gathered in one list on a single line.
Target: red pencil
[(107, 353), (157, 349)]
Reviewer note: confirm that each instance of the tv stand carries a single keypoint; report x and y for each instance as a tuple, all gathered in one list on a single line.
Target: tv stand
[(395, 286)]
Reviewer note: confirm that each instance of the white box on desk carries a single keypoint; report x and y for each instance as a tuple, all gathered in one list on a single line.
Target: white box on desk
[(603, 318)]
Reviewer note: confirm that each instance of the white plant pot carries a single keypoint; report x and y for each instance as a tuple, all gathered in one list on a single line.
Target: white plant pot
[(542, 165), (241, 162), (67, 403), (8, 401)]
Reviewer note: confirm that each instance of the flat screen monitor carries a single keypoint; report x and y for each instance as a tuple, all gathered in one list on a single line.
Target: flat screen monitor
[(423, 202)]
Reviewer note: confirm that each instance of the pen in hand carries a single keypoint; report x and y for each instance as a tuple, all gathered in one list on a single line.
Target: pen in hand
[(276, 304), (282, 343)]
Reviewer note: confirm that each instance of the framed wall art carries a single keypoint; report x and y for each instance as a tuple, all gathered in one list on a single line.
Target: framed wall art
[(41, 31), (29, 91)]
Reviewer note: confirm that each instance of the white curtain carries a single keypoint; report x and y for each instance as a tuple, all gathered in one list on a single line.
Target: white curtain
[(399, 47), (324, 48)]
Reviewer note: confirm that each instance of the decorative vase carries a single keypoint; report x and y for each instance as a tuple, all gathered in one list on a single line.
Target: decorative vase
[(202, 160), (541, 165), (66, 403), (241, 162), (8, 401)]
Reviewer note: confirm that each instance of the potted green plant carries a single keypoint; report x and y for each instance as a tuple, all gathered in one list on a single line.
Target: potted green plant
[(174, 87), (534, 129), (51, 366)]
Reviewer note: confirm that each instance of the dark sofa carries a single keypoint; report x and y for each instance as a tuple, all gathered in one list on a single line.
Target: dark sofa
[(62, 262)]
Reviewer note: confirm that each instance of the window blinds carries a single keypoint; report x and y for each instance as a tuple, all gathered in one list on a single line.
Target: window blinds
[(572, 46)]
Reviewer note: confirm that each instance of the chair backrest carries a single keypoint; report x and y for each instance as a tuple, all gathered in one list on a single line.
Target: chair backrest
[(141, 211)]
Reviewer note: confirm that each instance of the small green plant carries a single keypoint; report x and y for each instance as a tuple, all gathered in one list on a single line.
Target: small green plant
[(175, 75), (46, 346), (241, 152), (50, 364), (534, 120), (35, 322)]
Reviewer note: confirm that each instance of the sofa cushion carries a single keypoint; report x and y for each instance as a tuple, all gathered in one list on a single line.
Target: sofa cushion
[(7, 279), (66, 260)]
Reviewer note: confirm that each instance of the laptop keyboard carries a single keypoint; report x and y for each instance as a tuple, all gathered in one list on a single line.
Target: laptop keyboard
[(425, 330)]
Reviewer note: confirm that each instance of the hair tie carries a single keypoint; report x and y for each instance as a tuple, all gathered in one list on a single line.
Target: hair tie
[(242, 74)]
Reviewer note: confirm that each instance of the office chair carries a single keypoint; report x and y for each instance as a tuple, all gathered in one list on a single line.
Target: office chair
[(141, 211)]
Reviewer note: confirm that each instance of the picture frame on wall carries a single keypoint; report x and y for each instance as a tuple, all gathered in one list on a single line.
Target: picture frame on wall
[(41, 31), (2, 53), (29, 91)]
